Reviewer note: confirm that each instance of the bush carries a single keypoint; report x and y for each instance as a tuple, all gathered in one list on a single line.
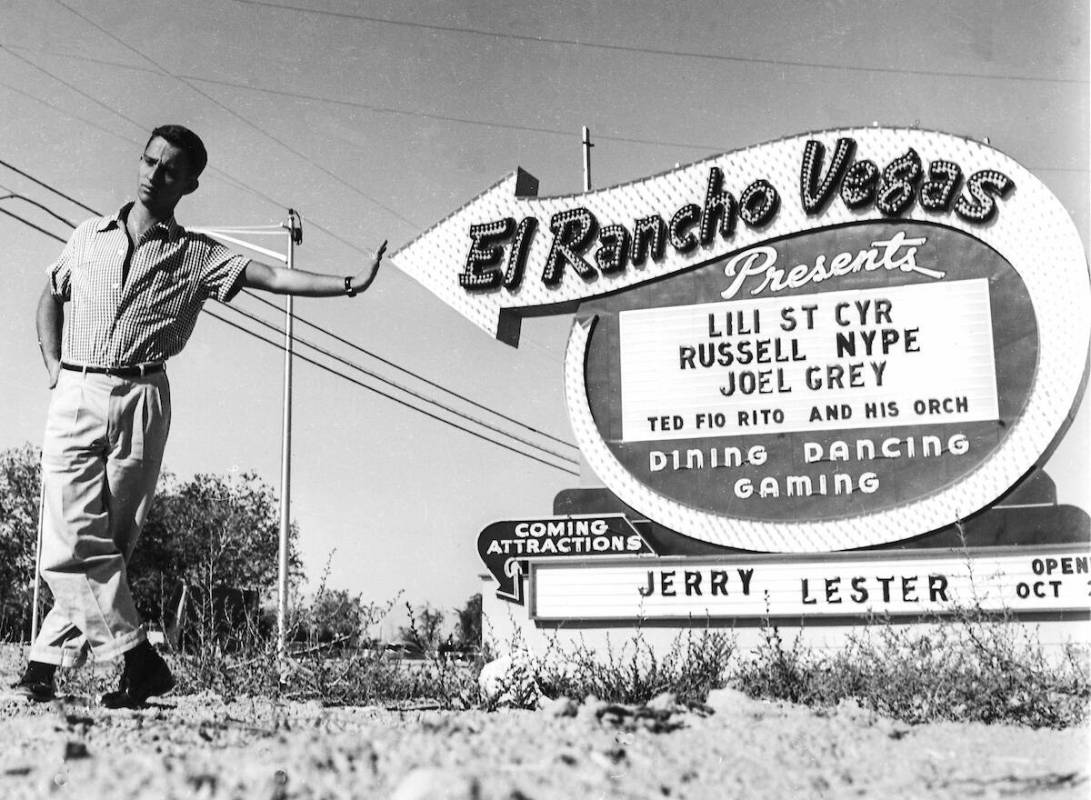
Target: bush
[(20, 486), (694, 664), (332, 657), (969, 667)]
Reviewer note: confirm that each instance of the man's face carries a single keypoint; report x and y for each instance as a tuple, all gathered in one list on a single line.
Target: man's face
[(164, 176)]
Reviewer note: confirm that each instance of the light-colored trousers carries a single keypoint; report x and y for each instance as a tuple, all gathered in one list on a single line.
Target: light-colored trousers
[(103, 448)]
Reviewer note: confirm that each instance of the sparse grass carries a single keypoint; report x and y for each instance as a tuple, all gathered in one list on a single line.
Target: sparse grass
[(695, 663), (348, 668), (970, 666), (89, 681)]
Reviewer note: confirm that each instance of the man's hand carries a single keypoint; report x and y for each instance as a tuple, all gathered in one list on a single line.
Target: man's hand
[(365, 279), (49, 322)]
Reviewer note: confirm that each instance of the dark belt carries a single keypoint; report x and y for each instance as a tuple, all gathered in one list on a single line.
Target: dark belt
[(135, 371)]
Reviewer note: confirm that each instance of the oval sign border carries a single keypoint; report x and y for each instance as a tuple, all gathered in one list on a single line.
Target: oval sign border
[(1010, 310), (1031, 230)]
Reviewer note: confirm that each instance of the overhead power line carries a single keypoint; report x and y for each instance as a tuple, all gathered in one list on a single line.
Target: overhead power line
[(707, 147), (378, 109), (16, 196), (257, 128), (30, 224), (353, 365), (231, 179), (410, 372), (76, 89), (34, 180), (380, 392), (81, 57), (778, 62)]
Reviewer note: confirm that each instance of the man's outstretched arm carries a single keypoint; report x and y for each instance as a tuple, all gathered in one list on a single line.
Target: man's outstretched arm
[(49, 321), (309, 284)]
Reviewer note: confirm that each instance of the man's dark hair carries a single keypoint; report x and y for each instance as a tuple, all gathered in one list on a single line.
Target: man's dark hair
[(186, 141)]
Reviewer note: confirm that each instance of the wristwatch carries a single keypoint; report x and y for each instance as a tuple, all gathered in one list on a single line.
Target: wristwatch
[(348, 286)]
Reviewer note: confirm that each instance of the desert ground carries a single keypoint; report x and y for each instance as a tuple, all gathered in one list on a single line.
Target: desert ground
[(201, 746)]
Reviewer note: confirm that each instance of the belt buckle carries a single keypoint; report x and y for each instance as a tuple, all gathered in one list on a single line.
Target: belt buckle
[(141, 368)]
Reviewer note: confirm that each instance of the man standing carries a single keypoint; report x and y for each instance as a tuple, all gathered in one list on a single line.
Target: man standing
[(130, 287)]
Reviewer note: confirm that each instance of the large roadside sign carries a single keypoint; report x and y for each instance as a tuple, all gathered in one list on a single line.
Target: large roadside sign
[(832, 341)]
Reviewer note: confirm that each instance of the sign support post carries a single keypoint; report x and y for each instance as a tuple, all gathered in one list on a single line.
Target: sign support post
[(587, 158)]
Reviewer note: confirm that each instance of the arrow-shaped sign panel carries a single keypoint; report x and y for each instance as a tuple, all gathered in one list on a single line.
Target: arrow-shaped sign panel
[(508, 253), (505, 546)]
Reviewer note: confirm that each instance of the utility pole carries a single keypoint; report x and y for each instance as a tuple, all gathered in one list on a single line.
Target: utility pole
[(295, 236)]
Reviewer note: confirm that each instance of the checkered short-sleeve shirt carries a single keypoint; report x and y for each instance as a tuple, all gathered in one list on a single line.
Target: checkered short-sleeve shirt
[(141, 306)]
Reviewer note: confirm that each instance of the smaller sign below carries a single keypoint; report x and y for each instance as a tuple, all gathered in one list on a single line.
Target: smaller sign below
[(903, 583), (506, 546)]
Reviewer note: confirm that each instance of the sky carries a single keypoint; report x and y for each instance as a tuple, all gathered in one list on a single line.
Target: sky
[(377, 119)]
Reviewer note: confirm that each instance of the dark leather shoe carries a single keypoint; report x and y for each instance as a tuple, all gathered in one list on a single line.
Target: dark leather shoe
[(146, 675), (36, 684), (34, 690)]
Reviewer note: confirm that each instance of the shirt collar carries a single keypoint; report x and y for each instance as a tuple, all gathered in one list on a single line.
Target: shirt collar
[(173, 229)]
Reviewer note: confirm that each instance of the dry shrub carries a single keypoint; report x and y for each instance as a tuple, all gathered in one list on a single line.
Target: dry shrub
[(972, 666), (967, 666), (695, 663), (331, 657)]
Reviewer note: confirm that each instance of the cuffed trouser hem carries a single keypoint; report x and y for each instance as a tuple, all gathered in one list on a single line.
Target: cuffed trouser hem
[(120, 645), (68, 657)]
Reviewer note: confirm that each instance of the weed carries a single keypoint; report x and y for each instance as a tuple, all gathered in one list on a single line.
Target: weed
[(693, 664), (970, 666), (777, 672)]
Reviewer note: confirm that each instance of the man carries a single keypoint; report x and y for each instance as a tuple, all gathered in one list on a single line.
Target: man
[(130, 287)]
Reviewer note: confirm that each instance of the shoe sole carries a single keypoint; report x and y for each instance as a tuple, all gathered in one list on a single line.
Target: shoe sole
[(35, 697), (120, 699)]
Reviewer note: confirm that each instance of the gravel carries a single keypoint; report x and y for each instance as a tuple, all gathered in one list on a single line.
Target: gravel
[(198, 746)]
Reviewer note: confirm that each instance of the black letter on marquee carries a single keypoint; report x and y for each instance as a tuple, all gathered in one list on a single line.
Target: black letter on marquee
[(683, 218), (648, 231), (485, 255), (613, 252), (943, 180), (759, 202), (899, 184), (517, 259), (814, 194), (858, 187), (573, 231), (719, 207), (981, 186)]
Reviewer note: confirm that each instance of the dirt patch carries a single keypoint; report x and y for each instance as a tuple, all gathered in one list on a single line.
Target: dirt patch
[(200, 746)]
